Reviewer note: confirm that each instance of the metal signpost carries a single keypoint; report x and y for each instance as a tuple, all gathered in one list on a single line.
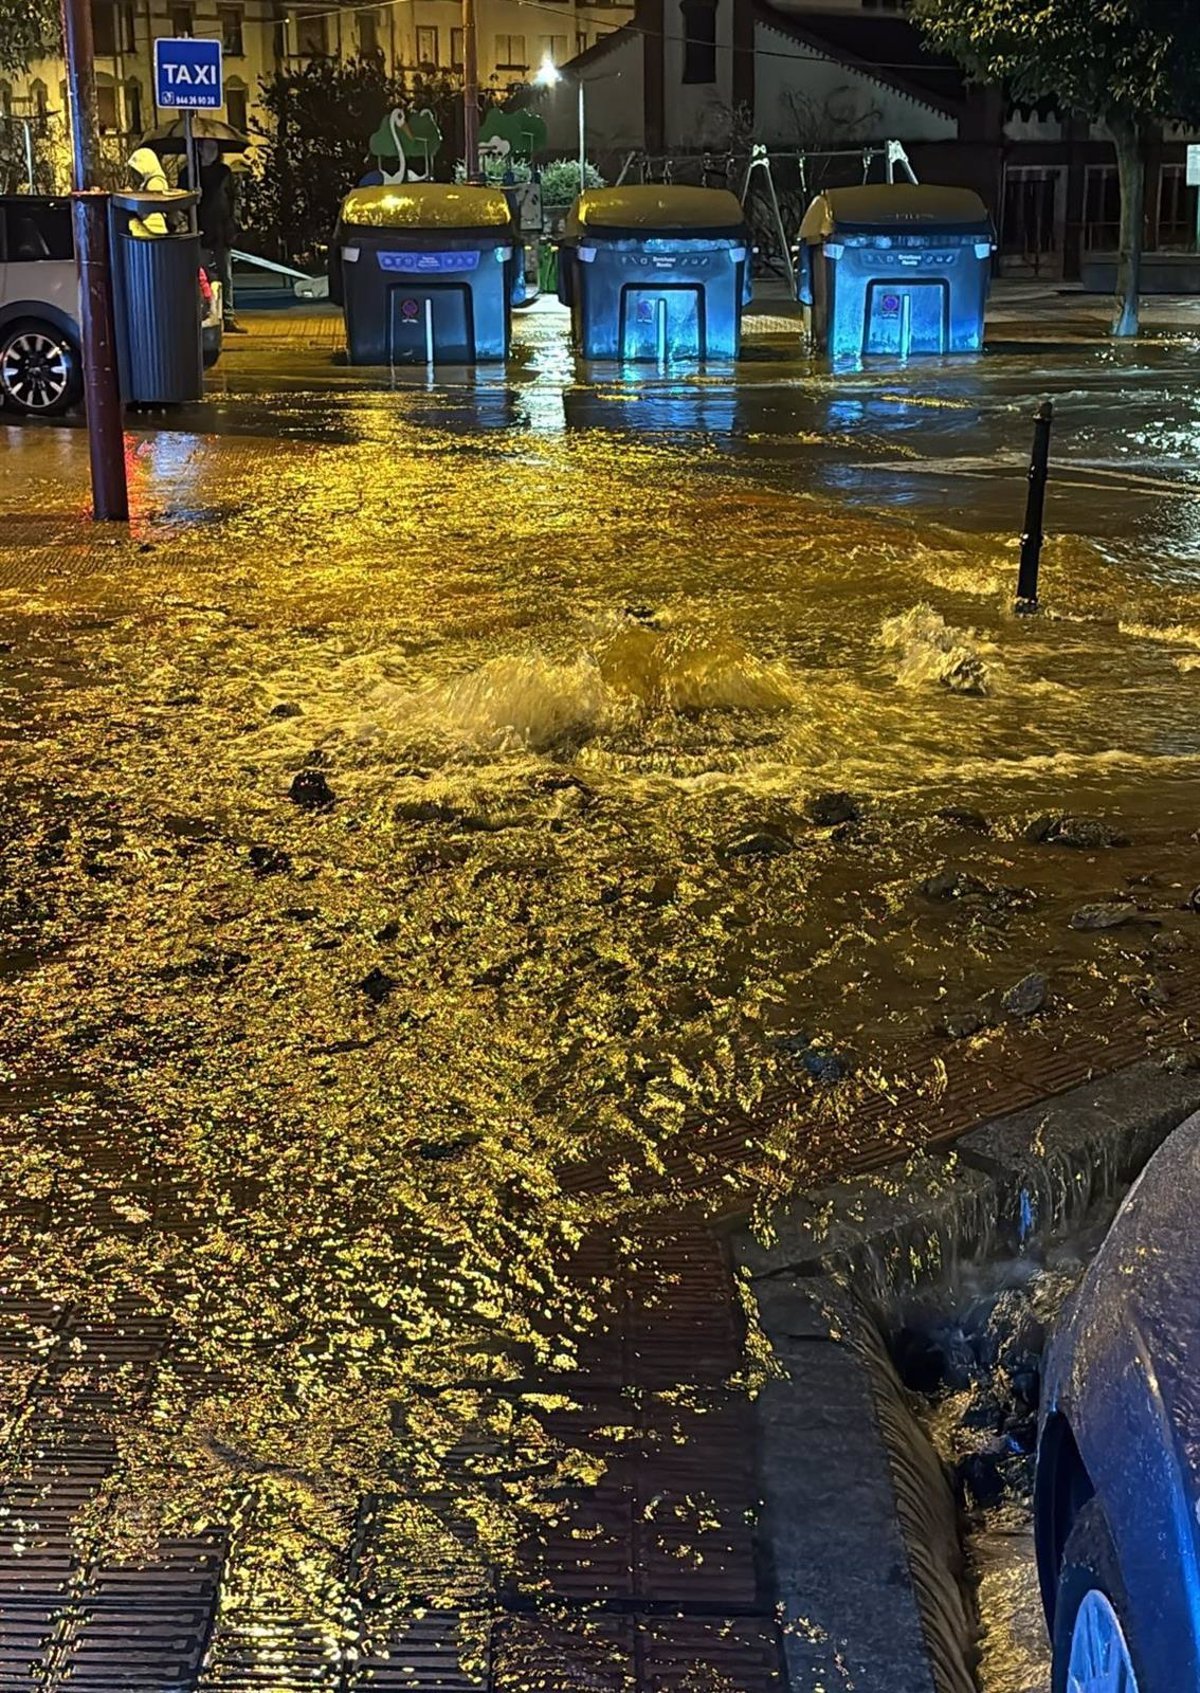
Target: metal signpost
[(101, 387), (188, 78), (470, 90)]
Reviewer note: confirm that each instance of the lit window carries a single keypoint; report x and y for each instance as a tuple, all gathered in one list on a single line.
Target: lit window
[(427, 45), (456, 49)]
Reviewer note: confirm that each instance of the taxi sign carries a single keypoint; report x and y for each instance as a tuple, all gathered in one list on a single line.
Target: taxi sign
[(187, 74)]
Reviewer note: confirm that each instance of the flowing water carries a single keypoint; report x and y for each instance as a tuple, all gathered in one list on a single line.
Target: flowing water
[(682, 747), (973, 1351)]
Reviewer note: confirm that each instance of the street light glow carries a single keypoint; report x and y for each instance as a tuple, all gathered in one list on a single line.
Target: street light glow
[(548, 73)]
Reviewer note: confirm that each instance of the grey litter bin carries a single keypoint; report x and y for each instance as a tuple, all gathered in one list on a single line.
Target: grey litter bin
[(896, 268), (656, 272), (156, 263), (426, 273)]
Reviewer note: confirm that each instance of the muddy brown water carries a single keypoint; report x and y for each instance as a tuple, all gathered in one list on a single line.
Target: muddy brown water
[(558, 640)]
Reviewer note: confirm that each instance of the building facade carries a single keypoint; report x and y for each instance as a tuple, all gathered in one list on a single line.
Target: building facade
[(260, 37), (820, 82)]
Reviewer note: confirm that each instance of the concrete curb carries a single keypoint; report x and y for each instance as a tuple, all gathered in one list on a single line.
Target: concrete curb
[(858, 1523)]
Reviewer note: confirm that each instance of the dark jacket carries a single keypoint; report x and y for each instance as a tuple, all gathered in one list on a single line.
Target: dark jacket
[(216, 213)]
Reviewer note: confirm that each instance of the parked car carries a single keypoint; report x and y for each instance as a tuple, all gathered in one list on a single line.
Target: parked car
[(39, 307), (1118, 1476)]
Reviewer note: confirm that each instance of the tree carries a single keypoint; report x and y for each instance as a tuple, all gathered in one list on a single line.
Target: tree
[(29, 30), (320, 121), (1131, 65)]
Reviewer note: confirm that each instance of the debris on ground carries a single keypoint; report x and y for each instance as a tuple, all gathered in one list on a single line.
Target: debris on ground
[(311, 791), (1026, 997)]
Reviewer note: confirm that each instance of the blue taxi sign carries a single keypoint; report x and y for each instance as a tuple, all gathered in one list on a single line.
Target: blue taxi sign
[(187, 74)]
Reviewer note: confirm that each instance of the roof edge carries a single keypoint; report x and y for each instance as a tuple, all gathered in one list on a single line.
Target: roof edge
[(785, 24)]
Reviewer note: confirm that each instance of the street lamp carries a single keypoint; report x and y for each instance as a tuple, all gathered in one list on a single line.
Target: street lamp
[(549, 76)]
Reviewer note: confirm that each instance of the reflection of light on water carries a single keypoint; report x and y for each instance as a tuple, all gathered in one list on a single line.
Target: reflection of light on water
[(638, 398), (165, 465), (551, 671), (552, 365)]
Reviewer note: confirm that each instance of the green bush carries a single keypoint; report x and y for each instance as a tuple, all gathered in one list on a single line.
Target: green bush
[(494, 170), (560, 181)]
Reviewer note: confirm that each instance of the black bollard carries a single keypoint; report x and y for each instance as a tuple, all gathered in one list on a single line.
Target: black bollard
[(1035, 503)]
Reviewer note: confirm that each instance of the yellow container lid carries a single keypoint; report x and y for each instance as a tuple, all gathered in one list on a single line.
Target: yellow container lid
[(887, 205), (656, 206), (427, 205)]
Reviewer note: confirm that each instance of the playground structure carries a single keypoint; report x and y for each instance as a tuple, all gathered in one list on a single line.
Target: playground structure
[(775, 188)]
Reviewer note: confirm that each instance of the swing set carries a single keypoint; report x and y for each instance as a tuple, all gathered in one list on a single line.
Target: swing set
[(757, 181)]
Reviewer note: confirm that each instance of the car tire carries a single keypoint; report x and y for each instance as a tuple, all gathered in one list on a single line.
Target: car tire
[(1092, 1624), (40, 371)]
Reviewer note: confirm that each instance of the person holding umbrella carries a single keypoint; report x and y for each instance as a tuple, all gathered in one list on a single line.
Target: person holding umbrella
[(217, 208), (216, 215), (217, 219)]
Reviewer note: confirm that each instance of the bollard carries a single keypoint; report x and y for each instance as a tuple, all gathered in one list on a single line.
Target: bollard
[(1035, 502)]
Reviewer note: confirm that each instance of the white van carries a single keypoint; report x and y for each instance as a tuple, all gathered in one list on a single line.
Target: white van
[(39, 307)]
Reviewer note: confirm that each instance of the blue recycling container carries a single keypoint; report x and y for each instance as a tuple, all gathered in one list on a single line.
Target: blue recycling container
[(426, 273), (655, 272), (896, 268)]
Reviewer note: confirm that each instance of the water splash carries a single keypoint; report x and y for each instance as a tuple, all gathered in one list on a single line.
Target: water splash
[(632, 671), (508, 704), (928, 650)]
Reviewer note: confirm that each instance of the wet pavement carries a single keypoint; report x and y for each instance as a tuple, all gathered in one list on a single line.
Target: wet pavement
[(682, 816)]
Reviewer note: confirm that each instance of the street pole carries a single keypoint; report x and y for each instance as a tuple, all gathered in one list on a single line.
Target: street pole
[(27, 126), (470, 90), (582, 142), (101, 389), (189, 143)]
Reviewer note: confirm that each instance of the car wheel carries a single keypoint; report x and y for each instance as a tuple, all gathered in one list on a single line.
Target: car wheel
[(39, 369), (1094, 1648)]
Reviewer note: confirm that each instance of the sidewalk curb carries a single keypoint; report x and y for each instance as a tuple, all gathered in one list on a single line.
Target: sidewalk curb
[(858, 1523)]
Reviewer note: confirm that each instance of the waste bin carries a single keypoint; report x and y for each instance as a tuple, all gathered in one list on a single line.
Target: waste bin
[(655, 272), (896, 268), (426, 273), (156, 260)]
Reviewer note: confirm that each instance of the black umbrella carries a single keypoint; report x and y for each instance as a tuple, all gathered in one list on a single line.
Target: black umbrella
[(172, 137)]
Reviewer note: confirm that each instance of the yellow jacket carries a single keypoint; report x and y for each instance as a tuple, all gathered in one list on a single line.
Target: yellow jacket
[(152, 179)]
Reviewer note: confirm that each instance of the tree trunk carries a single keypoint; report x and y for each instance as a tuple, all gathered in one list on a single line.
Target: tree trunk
[(1131, 174)]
